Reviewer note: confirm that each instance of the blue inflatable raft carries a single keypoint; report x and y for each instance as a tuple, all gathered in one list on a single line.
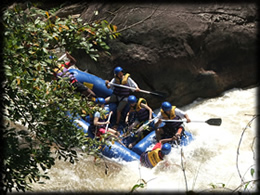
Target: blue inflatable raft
[(117, 150)]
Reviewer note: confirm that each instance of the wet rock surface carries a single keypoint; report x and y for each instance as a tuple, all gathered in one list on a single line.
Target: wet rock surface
[(185, 50)]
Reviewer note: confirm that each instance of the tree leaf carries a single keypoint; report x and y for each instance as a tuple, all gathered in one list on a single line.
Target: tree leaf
[(252, 171)]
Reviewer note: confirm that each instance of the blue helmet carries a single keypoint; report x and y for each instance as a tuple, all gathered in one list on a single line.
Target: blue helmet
[(117, 70), (166, 106), (100, 101), (132, 99), (166, 149), (106, 109)]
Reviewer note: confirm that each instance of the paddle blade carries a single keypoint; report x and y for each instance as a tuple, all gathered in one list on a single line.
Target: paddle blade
[(159, 94), (214, 121)]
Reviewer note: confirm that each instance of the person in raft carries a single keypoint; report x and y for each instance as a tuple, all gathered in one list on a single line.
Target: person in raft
[(142, 113), (151, 158), (120, 94), (171, 131), (62, 71), (98, 126)]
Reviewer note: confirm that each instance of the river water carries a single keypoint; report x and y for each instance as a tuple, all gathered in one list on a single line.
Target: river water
[(210, 162)]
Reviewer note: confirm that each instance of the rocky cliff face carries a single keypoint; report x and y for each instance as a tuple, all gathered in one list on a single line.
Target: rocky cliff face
[(185, 50)]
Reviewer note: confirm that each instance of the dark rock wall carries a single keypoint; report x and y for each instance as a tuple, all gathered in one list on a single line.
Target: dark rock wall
[(186, 50)]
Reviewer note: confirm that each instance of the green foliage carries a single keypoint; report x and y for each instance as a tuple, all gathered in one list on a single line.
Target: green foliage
[(252, 171), (38, 102), (142, 183)]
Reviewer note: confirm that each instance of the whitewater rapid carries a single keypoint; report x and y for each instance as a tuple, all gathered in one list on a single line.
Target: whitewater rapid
[(210, 161)]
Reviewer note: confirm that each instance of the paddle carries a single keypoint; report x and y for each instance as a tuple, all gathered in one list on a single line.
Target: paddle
[(212, 121), (62, 57), (142, 127), (109, 116), (145, 124), (141, 90)]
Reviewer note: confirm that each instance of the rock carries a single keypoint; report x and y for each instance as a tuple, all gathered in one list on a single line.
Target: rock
[(186, 50), (72, 10)]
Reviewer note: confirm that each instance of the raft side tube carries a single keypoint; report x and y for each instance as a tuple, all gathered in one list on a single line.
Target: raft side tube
[(85, 125), (95, 83), (186, 139), (150, 139), (115, 150), (118, 151), (141, 146)]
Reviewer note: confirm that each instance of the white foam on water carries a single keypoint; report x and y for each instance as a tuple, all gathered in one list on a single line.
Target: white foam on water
[(210, 160)]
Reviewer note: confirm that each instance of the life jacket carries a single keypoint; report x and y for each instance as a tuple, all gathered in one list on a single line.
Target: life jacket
[(171, 116), (102, 118), (141, 113), (120, 91), (61, 71), (151, 158)]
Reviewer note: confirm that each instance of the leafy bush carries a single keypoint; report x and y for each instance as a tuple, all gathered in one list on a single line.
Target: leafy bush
[(32, 98)]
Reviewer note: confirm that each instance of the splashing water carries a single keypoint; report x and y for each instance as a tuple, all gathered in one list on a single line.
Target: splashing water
[(209, 162)]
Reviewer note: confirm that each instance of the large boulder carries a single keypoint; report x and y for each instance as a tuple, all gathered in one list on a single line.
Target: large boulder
[(185, 50)]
